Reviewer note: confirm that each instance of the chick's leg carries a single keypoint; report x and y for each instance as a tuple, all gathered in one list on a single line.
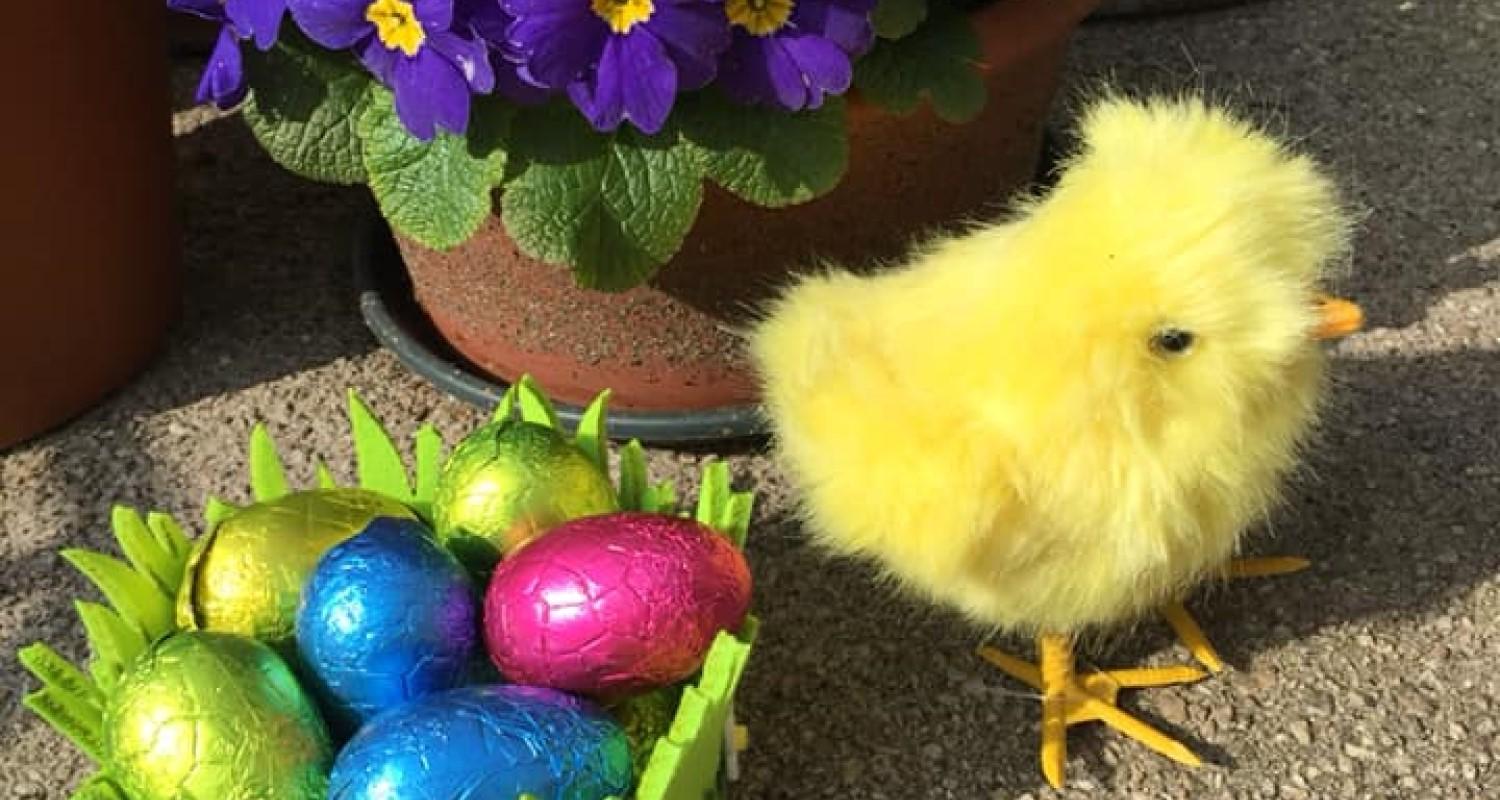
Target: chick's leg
[(1191, 634), (1070, 699)]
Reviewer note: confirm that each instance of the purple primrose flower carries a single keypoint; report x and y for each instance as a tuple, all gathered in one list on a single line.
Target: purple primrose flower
[(413, 48), (791, 53), (619, 59), (223, 80), (490, 22)]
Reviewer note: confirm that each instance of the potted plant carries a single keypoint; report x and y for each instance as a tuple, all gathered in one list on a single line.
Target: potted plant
[(597, 191)]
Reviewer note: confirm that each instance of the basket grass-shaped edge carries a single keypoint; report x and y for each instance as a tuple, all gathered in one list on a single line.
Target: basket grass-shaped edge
[(142, 591)]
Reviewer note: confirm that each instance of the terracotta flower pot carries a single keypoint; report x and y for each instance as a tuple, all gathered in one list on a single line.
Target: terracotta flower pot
[(1131, 8), (89, 280), (670, 345)]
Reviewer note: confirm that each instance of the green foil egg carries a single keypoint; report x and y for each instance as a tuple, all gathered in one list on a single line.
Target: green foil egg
[(214, 715), (646, 718), (508, 483), (246, 575)]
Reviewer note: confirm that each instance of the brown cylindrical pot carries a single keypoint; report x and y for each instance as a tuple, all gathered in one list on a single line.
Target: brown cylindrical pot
[(670, 345), (89, 282)]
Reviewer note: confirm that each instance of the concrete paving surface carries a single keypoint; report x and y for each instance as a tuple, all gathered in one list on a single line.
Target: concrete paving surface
[(1374, 675)]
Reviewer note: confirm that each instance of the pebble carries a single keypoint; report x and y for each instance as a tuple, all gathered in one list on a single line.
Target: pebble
[(1353, 750), (1172, 709), (1301, 731)]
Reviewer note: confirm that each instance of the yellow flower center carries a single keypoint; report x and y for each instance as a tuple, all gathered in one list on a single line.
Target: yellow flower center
[(397, 26), (759, 17), (622, 15)]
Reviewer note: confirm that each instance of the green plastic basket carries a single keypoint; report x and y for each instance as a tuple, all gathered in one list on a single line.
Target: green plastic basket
[(694, 760)]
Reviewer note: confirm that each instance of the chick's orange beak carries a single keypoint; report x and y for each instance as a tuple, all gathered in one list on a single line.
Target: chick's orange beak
[(1337, 318)]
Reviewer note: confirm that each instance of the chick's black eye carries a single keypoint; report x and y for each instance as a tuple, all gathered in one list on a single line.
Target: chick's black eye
[(1172, 341)]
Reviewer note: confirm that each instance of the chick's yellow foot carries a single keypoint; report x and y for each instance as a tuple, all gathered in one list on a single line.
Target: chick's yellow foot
[(1191, 634), (1070, 699)]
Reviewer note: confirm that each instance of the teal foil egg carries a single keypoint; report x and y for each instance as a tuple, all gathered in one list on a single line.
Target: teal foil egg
[(486, 742), (388, 616)]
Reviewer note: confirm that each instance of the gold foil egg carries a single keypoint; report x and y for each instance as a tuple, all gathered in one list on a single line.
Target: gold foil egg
[(245, 576), (508, 483)]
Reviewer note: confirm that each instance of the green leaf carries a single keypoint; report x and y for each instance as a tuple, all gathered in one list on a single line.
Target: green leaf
[(216, 510), (113, 642), (614, 207), (304, 108), (139, 602), (57, 673), (661, 498), (767, 156), (106, 674), (895, 19), (145, 553), (633, 486), (507, 405), (436, 192), (169, 534), (535, 407), (722, 508), (77, 722), (429, 455), (98, 787), (489, 135), (937, 62), (377, 462), (592, 436), (325, 476), (713, 493), (267, 476), (736, 521)]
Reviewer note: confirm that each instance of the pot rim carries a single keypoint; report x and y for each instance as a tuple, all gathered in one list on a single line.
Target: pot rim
[(394, 318)]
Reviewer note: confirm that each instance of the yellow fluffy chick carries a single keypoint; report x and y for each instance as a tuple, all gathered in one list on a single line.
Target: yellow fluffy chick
[(1069, 418)]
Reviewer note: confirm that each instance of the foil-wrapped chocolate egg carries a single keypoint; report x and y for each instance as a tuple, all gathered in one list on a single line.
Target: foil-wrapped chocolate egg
[(509, 482), (388, 616), (486, 742), (646, 718), (214, 715), (614, 604), (246, 575)]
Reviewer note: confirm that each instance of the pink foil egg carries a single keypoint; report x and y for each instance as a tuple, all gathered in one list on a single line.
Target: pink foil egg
[(614, 604)]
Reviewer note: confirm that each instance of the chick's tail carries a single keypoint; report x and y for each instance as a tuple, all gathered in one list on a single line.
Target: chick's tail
[(803, 337), (831, 393)]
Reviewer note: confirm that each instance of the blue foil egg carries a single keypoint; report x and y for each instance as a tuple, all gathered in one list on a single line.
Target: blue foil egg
[(487, 742), (387, 617)]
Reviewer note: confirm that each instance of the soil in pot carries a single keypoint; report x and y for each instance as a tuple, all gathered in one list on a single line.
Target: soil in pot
[(671, 345)]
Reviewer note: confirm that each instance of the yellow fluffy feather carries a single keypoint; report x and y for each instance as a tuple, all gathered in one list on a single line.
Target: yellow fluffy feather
[(998, 423)]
